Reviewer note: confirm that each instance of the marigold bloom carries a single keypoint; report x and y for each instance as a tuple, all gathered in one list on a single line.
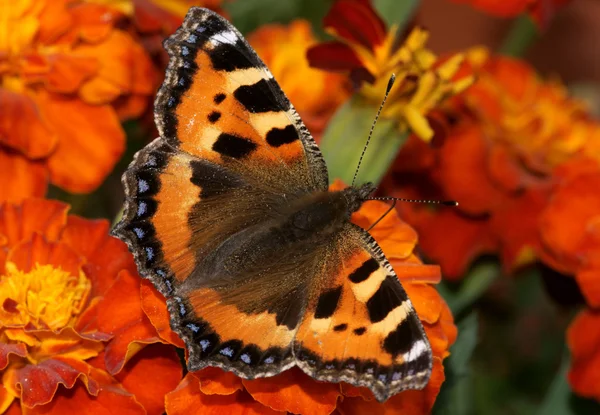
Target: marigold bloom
[(511, 130), (540, 10), (72, 327), (373, 52), (63, 66), (212, 389), (315, 94)]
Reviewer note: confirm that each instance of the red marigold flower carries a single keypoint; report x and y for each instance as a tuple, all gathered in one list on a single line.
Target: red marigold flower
[(73, 333), (65, 57), (372, 53), (212, 389), (540, 10), (283, 49), (511, 131)]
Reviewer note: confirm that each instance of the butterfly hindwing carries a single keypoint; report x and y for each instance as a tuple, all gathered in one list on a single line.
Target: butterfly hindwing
[(360, 327)]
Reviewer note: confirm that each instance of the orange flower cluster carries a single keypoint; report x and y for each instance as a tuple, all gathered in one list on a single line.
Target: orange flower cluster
[(64, 65), (283, 49), (73, 333), (570, 228), (513, 130), (540, 10), (211, 389)]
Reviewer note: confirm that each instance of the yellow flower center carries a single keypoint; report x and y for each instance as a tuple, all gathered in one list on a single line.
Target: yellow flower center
[(45, 297), (422, 83)]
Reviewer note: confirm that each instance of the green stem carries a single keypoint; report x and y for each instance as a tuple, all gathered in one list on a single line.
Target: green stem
[(523, 33), (345, 138)]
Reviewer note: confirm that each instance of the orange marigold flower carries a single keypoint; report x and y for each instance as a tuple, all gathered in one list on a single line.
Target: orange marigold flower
[(72, 327), (570, 226), (63, 66), (315, 94), (511, 130), (372, 53), (212, 389), (540, 10), (583, 338)]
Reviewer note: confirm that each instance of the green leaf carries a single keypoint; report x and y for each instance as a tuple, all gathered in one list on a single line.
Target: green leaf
[(345, 138), (481, 275), (396, 12), (455, 397), (249, 15)]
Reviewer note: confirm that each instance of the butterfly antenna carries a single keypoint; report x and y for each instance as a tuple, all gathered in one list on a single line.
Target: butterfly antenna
[(387, 92), (399, 199)]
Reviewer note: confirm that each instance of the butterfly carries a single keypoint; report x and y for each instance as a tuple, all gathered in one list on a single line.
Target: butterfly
[(228, 213)]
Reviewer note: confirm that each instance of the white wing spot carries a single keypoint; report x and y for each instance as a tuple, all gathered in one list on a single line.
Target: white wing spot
[(224, 37)]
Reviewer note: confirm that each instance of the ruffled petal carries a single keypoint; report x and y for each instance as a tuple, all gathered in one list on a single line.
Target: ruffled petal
[(294, 391), (80, 164), (215, 381), (333, 56), (154, 305), (187, 399), (152, 360), (109, 401), (37, 384), (23, 128), (105, 255), (583, 338), (27, 178), (26, 255), (120, 313), (6, 349), (463, 153), (357, 22)]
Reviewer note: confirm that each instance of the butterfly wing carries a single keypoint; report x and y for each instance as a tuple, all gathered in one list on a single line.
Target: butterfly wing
[(359, 326), (231, 150)]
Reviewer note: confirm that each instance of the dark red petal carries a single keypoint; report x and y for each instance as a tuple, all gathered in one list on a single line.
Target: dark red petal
[(356, 21), (333, 56)]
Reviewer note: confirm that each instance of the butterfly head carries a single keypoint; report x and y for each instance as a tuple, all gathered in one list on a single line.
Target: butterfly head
[(356, 195)]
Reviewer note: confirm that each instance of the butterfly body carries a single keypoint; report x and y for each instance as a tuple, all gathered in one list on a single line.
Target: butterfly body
[(229, 214)]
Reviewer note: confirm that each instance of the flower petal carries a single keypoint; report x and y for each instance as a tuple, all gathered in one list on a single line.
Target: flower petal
[(154, 305), (583, 338), (39, 382), (357, 22), (38, 250), (105, 255), (333, 56), (158, 362), (108, 401), (80, 165), (23, 128), (463, 153), (6, 349), (120, 313), (295, 391), (27, 178), (215, 381), (187, 399)]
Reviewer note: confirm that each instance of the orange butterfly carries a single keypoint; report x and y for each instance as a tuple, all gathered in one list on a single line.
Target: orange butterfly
[(228, 213)]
